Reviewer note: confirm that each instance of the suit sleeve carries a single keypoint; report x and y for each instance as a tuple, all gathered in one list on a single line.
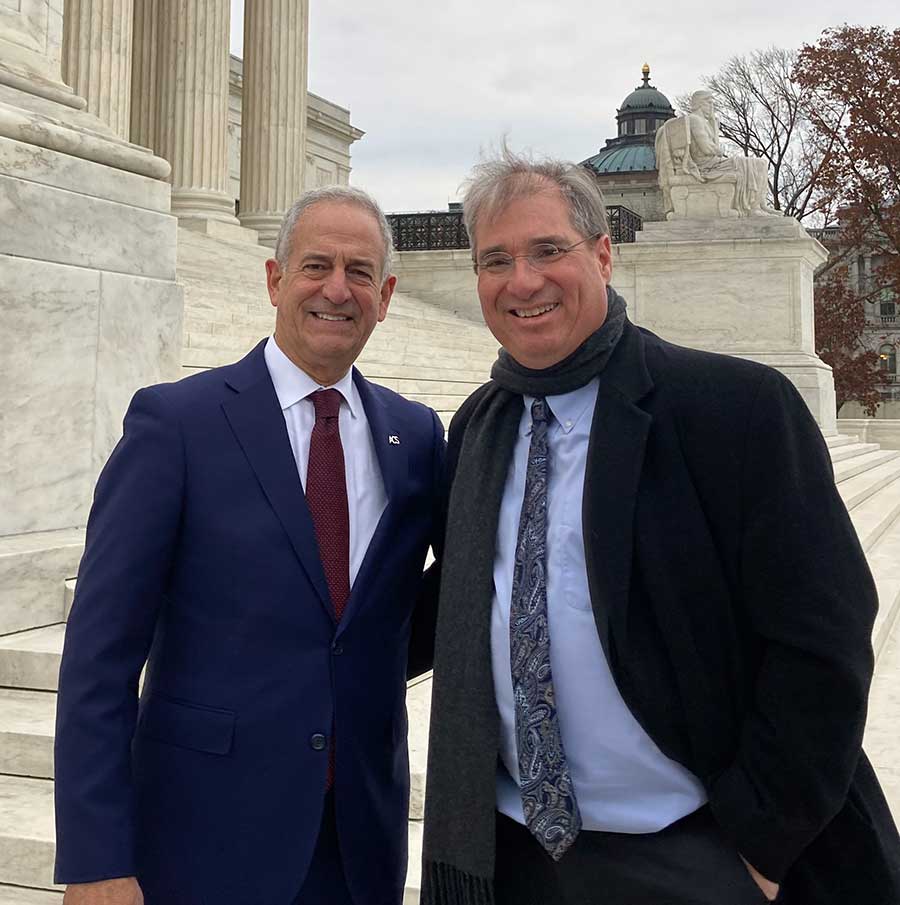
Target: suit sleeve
[(421, 645), (131, 537), (812, 602)]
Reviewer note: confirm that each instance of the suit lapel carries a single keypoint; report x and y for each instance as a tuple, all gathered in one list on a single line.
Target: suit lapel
[(614, 462), (258, 424), (391, 452), (387, 435)]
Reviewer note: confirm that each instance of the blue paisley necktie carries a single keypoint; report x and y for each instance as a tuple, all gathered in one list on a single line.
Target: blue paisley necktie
[(548, 797)]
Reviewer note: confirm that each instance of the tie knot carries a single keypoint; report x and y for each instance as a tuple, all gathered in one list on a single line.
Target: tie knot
[(327, 403), (539, 410)]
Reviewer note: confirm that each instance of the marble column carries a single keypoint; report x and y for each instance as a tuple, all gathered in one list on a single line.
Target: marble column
[(273, 130), (145, 72), (97, 41), (192, 107)]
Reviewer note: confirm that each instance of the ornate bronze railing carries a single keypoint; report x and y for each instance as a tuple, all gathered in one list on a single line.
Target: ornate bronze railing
[(428, 231), (623, 224), (442, 230)]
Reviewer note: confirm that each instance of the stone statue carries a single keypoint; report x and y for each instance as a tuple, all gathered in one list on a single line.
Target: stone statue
[(697, 180)]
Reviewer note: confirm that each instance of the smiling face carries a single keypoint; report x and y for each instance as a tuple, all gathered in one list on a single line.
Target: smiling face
[(331, 293), (542, 317)]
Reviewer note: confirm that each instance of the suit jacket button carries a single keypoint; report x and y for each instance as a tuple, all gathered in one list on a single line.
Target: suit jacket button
[(338, 648), (317, 741)]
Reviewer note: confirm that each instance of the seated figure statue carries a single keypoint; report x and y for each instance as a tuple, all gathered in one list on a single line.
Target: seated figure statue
[(688, 156)]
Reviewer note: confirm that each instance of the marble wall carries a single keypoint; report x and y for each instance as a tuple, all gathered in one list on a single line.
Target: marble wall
[(741, 287), (88, 312), (442, 278)]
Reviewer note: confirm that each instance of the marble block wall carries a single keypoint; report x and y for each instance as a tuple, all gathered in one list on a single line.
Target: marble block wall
[(89, 312), (442, 277), (741, 287)]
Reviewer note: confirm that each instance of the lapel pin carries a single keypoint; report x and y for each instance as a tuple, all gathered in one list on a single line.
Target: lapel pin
[(394, 440)]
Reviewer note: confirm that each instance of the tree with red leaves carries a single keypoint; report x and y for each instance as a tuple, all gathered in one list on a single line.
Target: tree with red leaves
[(851, 76), (840, 319)]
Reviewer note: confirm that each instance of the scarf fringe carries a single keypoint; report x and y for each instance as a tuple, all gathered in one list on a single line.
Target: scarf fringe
[(443, 884)]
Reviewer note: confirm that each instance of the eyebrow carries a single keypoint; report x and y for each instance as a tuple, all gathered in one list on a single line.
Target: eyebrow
[(538, 240), (349, 262)]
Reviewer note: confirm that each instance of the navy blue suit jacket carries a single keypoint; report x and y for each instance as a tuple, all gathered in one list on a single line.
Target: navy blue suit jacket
[(201, 553)]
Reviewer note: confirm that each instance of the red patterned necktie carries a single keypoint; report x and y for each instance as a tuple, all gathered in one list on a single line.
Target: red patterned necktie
[(326, 495)]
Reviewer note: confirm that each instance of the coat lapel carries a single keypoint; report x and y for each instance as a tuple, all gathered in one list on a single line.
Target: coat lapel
[(614, 462), (258, 424), (391, 452)]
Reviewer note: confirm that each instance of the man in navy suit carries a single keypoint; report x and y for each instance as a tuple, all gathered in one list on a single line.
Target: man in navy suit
[(257, 537)]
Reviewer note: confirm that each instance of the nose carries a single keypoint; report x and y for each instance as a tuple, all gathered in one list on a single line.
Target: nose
[(524, 281), (335, 288)]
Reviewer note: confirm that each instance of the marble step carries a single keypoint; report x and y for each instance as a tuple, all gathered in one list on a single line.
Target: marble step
[(856, 489), (20, 895), (27, 842), (33, 569), (882, 740), (27, 725), (30, 660), (840, 440), (878, 512), (413, 889), (884, 561), (851, 450), (418, 710), (859, 464)]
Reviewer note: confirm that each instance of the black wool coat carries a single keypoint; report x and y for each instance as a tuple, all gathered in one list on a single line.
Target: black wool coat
[(735, 607)]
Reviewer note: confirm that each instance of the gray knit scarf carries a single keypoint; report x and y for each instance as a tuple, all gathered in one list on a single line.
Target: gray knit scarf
[(458, 858)]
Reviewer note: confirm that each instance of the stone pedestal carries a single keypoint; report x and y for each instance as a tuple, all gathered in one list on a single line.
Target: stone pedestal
[(739, 286), (89, 309), (274, 112), (192, 113), (97, 58), (692, 200)]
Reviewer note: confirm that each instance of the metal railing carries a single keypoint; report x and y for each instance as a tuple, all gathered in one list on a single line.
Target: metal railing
[(444, 230), (623, 224), (428, 231)]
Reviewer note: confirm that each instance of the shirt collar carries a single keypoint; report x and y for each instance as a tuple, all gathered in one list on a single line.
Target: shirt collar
[(293, 384), (568, 408)]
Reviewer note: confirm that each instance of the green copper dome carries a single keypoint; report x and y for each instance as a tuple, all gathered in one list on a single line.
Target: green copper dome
[(623, 159), (646, 98), (632, 151)]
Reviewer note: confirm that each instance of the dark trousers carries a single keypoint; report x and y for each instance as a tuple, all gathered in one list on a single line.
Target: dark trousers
[(325, 883), (688, 863)]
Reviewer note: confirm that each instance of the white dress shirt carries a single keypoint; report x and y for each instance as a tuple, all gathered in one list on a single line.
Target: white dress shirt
[(366, 495), (623, 782)]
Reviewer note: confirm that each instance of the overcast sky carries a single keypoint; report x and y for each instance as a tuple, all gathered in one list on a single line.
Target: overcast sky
[(433, 82)]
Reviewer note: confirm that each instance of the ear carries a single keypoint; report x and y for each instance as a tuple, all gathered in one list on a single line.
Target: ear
[(603, 251), (387, 290), (274, 276)]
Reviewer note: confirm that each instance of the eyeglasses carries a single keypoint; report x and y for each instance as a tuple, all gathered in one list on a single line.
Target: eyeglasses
[(499, 263)]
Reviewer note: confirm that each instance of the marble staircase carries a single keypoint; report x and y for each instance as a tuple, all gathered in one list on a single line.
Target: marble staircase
[(869, 482)]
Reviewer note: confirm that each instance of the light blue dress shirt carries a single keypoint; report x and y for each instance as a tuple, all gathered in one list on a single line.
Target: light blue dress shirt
[(623, 782)]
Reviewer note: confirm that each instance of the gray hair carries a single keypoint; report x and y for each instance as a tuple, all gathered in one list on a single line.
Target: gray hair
[(509, 176), (337, 194)]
